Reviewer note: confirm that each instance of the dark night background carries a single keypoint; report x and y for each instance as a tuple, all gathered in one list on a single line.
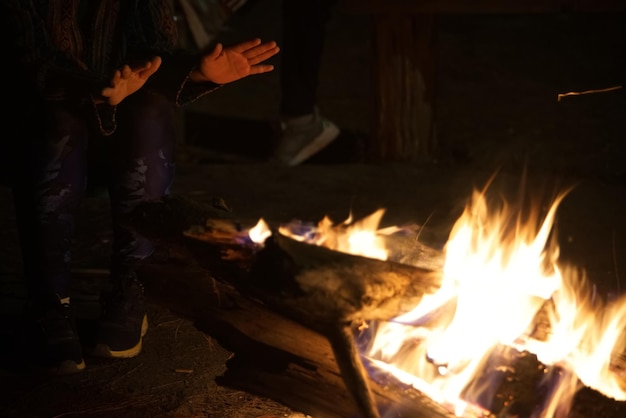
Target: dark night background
[(498, 77)]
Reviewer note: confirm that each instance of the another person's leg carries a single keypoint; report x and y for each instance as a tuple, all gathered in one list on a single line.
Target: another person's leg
[(142, 168), (51, 184), (305, 131)]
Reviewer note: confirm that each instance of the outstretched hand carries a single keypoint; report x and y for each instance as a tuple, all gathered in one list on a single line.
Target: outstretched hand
[(128, 80), (227, 64)]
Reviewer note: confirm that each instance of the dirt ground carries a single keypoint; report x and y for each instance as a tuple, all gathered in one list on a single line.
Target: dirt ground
[(497, 109)]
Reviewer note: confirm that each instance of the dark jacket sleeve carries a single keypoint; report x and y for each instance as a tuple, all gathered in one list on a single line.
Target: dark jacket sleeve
[(151, 30), (172, 79)]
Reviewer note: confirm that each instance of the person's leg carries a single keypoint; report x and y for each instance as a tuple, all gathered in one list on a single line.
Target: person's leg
[(304, 34), (51, 184), (142, 168), (305, 132)]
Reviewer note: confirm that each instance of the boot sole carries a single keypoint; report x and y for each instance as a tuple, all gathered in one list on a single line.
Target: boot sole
[(103, 350), (67, 367)]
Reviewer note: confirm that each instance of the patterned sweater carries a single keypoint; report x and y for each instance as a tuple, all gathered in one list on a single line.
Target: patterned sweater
[(69, 49)]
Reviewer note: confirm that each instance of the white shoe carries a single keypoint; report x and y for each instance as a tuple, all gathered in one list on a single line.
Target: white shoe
[(304, 137)]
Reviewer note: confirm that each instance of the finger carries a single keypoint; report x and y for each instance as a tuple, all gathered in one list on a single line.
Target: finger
[(259, 49), (117, 77), (106, 92), (155, 63), (215, 53), (144, 65), (245, 46), (260, 69), (266, 48), (263, 56), (140, 66), (125, 72)]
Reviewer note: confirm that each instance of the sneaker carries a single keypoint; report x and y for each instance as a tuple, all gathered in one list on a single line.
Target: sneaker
[(124, 320), (304, 137), (58, 348)]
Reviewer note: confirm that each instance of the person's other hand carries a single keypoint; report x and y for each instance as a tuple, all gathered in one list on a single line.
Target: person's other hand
[(227, 64), (128, 80)]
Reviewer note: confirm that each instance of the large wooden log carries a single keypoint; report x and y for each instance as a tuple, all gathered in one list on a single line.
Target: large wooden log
[(321, 287), (273, 355), (314, 285)]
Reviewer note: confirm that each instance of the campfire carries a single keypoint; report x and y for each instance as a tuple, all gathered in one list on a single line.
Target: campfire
[(351, 319), (504, 295)]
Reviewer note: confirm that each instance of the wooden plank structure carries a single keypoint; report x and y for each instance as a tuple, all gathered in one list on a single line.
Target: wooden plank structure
[(404, 55)]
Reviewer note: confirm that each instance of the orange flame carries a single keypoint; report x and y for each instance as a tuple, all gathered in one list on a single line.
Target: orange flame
[(501, 269)]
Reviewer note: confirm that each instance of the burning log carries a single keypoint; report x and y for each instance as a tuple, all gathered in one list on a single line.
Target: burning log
[(314, 285), (311, 298), (321, 287), (329, 292)]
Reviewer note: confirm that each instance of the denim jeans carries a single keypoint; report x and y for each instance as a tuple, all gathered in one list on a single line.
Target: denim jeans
[(63, 149)]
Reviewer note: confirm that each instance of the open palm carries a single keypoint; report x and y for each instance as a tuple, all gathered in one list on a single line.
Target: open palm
[(128, 80), (226, 64)]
